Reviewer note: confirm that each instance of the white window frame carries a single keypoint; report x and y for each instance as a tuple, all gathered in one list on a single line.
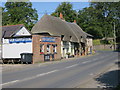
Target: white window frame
[(55, 48), (48, 49), (41, 47)]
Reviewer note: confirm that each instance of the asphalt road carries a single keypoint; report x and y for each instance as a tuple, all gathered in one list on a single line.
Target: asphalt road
[(63, 74)]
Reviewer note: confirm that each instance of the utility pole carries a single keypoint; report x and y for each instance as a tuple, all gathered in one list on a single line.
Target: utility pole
[(114, 38), (1, 42)]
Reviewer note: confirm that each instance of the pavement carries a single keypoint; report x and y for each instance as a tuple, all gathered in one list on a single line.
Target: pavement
[(59, 74), (14, 67)]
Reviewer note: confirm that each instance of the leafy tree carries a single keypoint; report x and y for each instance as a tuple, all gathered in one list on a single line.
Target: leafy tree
[(99, 18), (89, 21), (66, 9), (111, 13), (0, 24), (19, 13)]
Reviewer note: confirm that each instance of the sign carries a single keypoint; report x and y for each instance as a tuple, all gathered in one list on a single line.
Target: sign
[(20, 40), (48, 39)]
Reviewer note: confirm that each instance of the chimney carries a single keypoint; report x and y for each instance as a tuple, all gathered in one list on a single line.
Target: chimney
[(61, 16), (74, 21)]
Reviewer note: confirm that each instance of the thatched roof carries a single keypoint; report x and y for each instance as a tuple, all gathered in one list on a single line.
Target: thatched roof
[(57, 27), (78, 32)]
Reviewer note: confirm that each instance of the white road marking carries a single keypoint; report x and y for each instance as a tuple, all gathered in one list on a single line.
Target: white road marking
[(33, 77), (91, 74), (72, 66), (86, 62), (10, 82), (46, 73), (90, 60)]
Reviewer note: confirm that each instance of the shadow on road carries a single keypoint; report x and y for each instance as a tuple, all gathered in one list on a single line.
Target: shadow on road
[(110, 79), (118, 63)]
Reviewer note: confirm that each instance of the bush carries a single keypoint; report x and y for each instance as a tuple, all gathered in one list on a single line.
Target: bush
[(68, 53), (104, 42), (100, 42), (96, 42)]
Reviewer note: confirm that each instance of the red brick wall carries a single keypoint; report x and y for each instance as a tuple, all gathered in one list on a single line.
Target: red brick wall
[(37, 57)]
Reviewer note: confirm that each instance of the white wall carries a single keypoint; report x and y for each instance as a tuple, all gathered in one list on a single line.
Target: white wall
[(15, 49), (89, 42), (22, 32), (72, 49), (68, 48), (62, 53)]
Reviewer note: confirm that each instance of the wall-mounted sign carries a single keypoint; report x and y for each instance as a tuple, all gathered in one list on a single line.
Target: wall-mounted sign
[(20, 40), (47, 39)]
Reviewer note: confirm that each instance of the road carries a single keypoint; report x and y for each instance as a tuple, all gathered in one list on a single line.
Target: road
[(62, 74)]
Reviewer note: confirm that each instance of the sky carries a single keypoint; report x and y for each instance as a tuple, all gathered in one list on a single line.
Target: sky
[(49, 7)]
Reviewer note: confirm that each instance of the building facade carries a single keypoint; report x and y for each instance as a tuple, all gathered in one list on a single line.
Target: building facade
[(73, 41), (46, 48), (16, 39), (51, 38)]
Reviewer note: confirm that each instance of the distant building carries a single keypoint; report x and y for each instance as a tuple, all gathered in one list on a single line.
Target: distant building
[(72, 40)]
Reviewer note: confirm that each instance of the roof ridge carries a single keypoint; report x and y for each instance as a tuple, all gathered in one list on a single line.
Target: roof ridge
[(11, 25)]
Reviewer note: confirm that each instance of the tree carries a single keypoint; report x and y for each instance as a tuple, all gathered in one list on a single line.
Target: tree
[(67, 10), (111, 14), (89, 19), (0, 25), (19, 13), (99, 17)]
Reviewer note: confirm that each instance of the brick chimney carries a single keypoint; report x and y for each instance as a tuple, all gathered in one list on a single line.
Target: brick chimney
[(61, 16), (75, 21)]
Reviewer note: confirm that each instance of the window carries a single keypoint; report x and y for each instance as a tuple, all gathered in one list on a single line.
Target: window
[(48, 48), (54, 48), (41, 48)]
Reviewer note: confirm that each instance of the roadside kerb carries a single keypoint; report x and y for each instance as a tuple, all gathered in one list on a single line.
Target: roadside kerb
[(8, 67)]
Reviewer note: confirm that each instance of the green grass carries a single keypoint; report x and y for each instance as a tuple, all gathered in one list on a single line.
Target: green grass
[(101, 42), (96, 42)]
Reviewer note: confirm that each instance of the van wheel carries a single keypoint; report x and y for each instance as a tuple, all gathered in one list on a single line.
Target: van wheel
[(5, 61), (29, 62)]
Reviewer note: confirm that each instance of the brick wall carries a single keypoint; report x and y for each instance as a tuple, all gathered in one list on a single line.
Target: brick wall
[(37, 57), (101, 47)]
